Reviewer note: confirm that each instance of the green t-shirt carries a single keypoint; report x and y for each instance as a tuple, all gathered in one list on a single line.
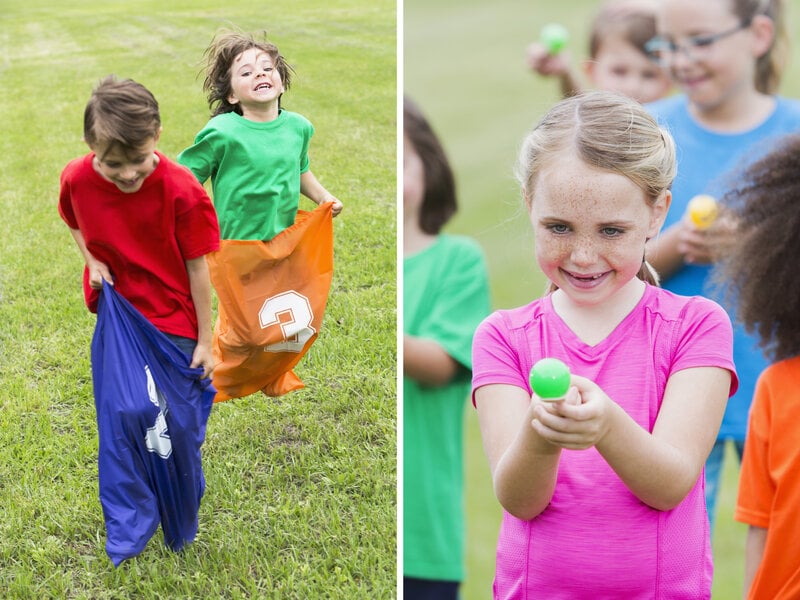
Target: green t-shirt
[(255, 171), (445, 297)]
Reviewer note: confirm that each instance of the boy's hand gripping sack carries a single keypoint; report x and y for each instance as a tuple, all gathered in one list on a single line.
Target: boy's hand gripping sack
[(152, 411), (272, 298)]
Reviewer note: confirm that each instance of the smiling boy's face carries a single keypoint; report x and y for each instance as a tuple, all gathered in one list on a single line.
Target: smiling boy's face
[(256, 83), (125, 168)]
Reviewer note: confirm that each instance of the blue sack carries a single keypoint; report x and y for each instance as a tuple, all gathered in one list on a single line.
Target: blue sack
[(152, 411)]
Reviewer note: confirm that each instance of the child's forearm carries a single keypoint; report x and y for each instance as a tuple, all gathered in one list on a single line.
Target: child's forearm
[(523, 464), (525, 476), (98, 271), (663, 254), (753, 553), (312, 189), (662, 467), (200, 288), (425, 360), (81, 243)]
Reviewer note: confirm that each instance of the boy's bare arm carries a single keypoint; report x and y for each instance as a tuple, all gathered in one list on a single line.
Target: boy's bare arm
[(98, 271), (200, 286), (312, 189)]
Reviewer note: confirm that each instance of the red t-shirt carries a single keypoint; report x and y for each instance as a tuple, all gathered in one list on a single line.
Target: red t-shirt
[(144, 237)]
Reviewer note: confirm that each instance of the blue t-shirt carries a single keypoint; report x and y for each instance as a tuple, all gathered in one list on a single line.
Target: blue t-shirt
[(709, 162)]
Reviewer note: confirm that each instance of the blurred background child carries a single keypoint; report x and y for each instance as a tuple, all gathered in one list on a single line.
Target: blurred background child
[(445, 296), (727, 56), (760, 274), (617, 59)]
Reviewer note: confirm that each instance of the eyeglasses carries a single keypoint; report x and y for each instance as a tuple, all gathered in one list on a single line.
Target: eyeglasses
[(661, 50)]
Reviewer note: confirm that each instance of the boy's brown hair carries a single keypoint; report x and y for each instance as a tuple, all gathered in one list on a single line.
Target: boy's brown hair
[(120, 113)]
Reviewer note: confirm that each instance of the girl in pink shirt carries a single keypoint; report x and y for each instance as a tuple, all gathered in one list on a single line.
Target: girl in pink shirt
[(601, 491)]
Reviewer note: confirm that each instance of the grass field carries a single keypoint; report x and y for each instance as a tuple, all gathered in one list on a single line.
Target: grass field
[(465, 67), (301, 490)]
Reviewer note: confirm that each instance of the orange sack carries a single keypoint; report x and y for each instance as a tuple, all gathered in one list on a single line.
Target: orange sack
[(272, 298)]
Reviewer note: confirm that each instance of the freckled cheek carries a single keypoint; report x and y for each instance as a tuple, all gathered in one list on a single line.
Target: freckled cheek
[(551, 252), (554, 251)]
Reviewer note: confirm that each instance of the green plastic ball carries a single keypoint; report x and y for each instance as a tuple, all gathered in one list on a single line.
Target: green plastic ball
[(550, 379), (554, 37)]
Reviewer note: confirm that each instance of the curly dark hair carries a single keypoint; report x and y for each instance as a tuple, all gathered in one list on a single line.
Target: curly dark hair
[(219, 57), (759, 276)]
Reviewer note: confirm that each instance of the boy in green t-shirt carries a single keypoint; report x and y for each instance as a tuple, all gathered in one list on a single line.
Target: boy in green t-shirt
[(256, 155), (255, 152)]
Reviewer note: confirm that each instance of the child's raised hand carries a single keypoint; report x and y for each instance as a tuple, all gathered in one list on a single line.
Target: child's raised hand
[(577, 422), (705, 246), (541, 61)]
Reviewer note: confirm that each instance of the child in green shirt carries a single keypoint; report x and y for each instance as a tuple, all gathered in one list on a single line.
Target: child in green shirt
[(254, 151)]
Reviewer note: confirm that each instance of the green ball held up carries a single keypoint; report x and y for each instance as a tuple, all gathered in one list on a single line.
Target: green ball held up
[(550, 379), (554, 37)]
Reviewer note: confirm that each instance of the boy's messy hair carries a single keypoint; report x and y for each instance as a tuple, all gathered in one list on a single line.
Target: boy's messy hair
[(219, 57), (120, 113)]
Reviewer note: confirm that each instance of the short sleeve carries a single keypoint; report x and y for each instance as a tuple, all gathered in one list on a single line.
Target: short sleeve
[(200, 158), (196, 225), (462, 302), (705, 339), (495, 360), (305, 162), (65, 208)]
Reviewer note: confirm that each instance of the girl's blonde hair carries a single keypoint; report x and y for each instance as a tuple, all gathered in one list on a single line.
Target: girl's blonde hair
[(607, 131), (769, 66)]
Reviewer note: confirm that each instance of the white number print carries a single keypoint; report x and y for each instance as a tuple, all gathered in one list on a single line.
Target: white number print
[(157, 437), (292, 313)]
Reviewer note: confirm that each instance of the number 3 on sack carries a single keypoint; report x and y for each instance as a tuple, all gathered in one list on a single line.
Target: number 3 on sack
[(292, 313)]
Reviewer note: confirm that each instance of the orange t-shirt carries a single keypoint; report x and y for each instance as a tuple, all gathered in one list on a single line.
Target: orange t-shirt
[(769, 483)]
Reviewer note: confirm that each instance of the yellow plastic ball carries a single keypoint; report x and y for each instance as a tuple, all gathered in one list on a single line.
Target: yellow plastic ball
[(703, 210)]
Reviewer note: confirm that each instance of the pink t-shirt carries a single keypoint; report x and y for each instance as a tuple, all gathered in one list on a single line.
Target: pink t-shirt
[(596, 539)]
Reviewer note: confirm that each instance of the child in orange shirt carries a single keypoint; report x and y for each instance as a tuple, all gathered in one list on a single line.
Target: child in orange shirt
[(761, 274)]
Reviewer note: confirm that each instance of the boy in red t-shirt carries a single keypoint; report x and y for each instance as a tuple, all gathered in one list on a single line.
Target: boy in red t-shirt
[(142, 222)]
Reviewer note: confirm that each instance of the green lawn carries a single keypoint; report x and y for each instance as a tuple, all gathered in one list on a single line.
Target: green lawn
[(301, 490), (464, 65)]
